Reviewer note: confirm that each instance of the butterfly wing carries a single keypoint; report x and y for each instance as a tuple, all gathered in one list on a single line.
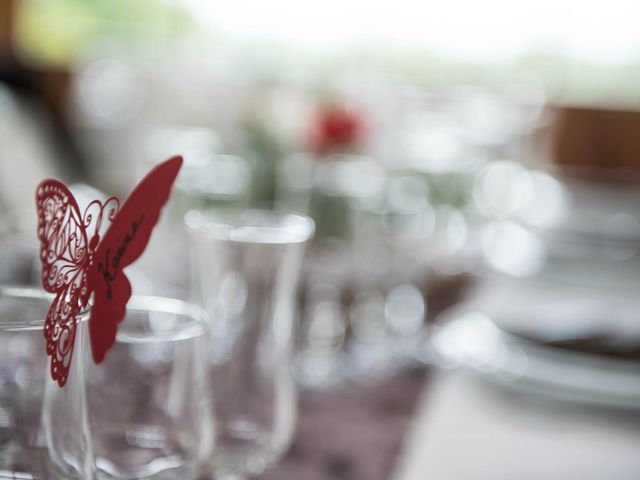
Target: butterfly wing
[(62, 235), (60, 329), (63, 253), (123, 243)]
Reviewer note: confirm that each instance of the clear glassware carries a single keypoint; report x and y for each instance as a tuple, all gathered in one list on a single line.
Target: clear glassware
[(148, 400), (246, 267), (19, 265), (208, 178), (43, 428)]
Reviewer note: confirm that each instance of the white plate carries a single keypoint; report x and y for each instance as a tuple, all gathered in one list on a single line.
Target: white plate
[(468, 337)]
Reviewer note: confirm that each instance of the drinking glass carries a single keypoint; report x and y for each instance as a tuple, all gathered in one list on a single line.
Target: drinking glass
[(43, 428), (19, 265), (148, 400), (246, 267)]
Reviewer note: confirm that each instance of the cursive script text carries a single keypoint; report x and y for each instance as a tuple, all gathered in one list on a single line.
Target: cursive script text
[(109, 269)]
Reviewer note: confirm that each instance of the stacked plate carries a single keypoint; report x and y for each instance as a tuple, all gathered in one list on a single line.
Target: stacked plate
[(558, 311)]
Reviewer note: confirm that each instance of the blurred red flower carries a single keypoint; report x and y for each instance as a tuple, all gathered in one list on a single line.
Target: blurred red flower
[(335, 127)]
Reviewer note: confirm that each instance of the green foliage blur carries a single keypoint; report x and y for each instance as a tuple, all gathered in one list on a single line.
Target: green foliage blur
[(54, 33)]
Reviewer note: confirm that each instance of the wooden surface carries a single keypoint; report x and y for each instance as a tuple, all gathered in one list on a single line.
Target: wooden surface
[(596, 137)]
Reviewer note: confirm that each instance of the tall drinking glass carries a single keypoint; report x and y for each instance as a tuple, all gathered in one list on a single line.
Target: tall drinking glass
[(43, 428), (246, 267)]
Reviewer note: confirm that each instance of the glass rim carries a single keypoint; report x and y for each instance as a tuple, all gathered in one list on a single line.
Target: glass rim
[(137, 303), (148, 304), (28, 293), (251, 225)]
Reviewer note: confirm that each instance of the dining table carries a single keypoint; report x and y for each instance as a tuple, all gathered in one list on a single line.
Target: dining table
[(429, 423)]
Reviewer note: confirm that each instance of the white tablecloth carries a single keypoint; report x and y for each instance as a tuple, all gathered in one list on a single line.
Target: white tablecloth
[(468, 430)]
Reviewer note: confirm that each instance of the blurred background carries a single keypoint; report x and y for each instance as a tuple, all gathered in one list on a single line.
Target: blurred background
[(469, 304)]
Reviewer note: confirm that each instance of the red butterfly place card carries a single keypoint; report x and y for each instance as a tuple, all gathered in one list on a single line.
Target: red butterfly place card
[(77, 263)]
